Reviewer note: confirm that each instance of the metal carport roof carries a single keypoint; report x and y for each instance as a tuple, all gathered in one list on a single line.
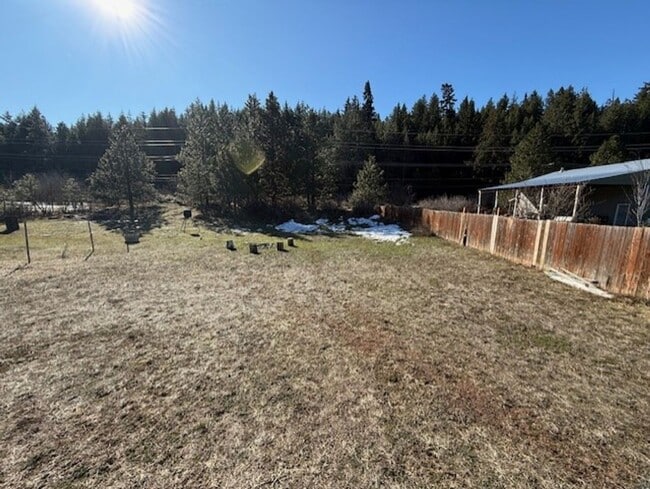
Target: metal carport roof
[(615, 174)]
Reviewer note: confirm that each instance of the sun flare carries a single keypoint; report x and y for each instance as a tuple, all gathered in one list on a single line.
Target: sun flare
[(121, 10), (134, 26)]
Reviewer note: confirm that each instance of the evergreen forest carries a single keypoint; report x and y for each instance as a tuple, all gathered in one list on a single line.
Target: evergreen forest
[(268, 152)]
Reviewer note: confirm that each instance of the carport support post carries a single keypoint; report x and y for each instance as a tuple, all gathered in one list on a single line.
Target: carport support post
[(514, 209), (478, 207), (496, 200), (575, 202), (541, 203)]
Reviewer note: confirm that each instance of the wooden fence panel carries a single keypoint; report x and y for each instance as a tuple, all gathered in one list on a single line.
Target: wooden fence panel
[(516, 240), (617, 258), (479, 227), (642, 288)]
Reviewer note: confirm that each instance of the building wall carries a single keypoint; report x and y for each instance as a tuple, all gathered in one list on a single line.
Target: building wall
[(605, 200)]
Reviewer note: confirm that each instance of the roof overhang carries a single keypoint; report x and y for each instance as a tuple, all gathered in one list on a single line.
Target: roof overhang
[(615, 174)]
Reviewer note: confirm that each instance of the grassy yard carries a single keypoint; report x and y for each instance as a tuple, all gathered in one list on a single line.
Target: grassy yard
[(341, 363)]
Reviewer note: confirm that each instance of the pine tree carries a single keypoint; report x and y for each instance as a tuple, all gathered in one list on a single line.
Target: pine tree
[(368, 114), (532, 156), (275, 174), (448, 110), (489, 153), (468, 123), (370, 188), (611, 151), (124, 172)]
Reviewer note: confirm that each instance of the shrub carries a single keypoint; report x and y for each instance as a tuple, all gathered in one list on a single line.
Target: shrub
[(453, 203), (370, 188)]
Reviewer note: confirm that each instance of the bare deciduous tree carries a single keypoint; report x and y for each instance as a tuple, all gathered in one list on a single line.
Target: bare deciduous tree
[(640, 195)]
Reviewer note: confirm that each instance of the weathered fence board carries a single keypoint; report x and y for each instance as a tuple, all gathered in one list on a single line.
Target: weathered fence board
[(617, 258)]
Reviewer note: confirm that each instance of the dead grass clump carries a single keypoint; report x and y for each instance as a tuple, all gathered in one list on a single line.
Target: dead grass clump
[(453, 203)]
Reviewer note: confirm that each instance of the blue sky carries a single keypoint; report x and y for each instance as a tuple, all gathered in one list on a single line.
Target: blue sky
[(69, 58)]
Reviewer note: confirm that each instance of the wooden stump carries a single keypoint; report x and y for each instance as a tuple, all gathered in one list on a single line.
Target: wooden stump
[(252, 247), (131, 238), (280, 246), (230, 245), (290, 242)]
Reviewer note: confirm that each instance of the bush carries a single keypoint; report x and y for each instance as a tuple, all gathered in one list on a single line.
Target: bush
[(454, 203)]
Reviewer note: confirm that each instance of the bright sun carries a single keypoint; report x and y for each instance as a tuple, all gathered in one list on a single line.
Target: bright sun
[(132, 25), (121, 10)]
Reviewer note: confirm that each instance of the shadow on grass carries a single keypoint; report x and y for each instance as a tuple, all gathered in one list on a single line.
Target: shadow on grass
[(245, 224), (147, 218)]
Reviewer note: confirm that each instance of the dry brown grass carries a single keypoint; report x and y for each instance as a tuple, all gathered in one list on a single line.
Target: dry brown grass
[(342, 363)]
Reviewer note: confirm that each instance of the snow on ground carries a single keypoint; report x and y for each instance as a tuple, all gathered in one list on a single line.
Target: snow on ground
[(370, 228), (384, 232), (295, 227)]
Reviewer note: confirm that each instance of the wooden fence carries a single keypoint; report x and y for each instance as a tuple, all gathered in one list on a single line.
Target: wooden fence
[(617, 258)]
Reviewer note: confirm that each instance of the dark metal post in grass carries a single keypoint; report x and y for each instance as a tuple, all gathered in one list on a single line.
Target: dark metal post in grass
[(92, 242), (29, 258)]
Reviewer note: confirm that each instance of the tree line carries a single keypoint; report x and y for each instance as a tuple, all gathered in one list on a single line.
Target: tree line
[(268, 152)]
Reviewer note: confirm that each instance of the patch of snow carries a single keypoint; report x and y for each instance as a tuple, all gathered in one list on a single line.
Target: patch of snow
[(370, 228), (362, 221), (336, 228), (384, 232), (296, 227)]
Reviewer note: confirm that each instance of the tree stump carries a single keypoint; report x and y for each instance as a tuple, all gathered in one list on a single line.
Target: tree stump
[(131, 237), (280, 246), (252, 247)]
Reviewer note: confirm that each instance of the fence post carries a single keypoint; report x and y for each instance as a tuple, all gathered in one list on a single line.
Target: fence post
[(538, 236), (493, 233), (542, 258), (29, 258), (460, 228), (633, 268), (92, 241)]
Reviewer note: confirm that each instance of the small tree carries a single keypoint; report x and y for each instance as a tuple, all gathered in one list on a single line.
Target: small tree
[(123, 172), (71, 193), (370, 188), (26, 189), (640, 195)]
